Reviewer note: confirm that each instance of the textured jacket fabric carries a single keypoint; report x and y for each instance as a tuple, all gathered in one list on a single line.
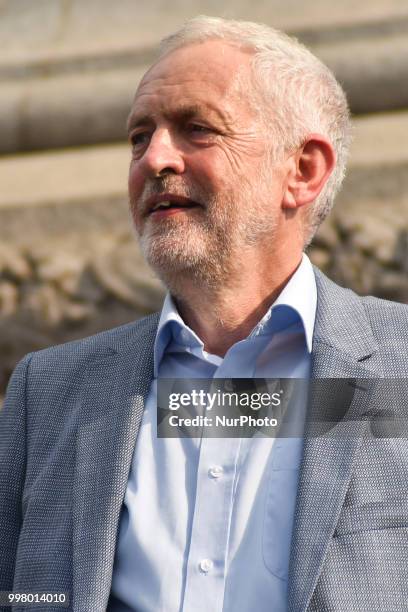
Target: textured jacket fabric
[(67, 435)]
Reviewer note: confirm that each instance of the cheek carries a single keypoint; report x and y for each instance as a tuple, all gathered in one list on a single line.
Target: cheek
[(237, 161), (135, 188), (135, 181), (210, 172)]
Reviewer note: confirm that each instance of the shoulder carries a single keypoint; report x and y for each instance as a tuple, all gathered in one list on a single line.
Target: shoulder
[(389, 320), (333, 296), (47, 385), (360, 320), (71, 357)]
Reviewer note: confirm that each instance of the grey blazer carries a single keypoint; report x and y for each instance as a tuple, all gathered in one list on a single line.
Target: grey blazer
[(68, 430)]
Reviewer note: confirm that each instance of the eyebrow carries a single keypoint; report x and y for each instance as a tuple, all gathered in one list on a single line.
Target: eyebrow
[(183, 113)]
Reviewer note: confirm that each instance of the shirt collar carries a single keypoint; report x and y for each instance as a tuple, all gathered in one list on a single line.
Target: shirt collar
[(299, 294), (171, 325)]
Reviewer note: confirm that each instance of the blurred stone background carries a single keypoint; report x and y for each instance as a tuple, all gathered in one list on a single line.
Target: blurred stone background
[(69, 265)]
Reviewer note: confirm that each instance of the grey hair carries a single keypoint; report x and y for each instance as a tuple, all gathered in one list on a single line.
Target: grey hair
[(301, 92)]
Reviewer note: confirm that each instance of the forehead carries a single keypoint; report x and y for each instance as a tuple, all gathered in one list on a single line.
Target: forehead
[(207, 75)]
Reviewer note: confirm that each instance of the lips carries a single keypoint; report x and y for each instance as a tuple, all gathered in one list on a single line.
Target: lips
[(168, 202)]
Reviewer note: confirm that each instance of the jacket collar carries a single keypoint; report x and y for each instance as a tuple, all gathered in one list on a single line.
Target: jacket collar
[(341, 325)]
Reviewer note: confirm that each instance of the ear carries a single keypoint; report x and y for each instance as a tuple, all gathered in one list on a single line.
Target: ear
[(309, 170)]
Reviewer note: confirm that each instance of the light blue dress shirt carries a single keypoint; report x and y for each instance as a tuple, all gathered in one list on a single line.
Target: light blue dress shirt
[(206, 523)]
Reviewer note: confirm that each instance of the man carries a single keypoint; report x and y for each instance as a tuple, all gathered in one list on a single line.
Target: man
[(239, 138)]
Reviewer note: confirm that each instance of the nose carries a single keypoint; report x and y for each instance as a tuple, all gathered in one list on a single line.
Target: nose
[(162, 156)]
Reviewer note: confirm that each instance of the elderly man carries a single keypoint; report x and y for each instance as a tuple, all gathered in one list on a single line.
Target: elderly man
[(239, 138)]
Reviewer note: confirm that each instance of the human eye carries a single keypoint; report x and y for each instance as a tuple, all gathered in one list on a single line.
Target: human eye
[(200, 132), (197, 128), (139, 139)]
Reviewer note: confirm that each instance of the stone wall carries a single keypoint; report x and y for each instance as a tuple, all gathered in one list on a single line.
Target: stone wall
[(54, 292)]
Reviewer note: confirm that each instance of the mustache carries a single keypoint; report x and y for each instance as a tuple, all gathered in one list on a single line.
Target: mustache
[(167, 184)]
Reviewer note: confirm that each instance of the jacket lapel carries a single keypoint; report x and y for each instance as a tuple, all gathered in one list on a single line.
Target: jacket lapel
[(111, 412), (343, 348)]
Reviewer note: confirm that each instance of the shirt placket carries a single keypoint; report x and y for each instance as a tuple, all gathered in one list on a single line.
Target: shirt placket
[(218, 463), (206, 567)]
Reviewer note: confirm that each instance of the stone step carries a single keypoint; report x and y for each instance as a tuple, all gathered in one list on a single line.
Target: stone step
[(90, 108), (37, 31), (63, 87), (52, 60)]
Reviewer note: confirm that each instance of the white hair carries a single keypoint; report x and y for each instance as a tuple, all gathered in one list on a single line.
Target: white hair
[(301, 92)]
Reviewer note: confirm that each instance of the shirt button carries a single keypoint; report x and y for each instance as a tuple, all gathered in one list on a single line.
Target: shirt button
[(206, 565), (215, 471)]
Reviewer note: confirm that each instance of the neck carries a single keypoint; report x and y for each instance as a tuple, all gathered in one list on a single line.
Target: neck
[(227, 313)]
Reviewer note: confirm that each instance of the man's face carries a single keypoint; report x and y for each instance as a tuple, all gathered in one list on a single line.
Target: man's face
[(198, 143)]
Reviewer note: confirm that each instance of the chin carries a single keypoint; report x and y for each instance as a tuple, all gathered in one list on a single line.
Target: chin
[(174, 248), (167, 252), (179, 267)]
